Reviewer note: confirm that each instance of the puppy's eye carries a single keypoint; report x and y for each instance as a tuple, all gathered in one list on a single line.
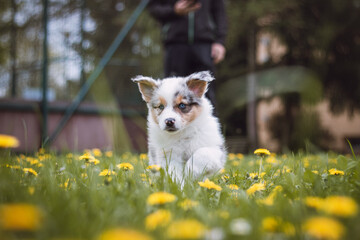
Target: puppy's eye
[(161, 107), (182, 106)]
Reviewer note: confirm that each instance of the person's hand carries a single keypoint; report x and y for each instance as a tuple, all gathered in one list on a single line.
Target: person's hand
[(183, 7), (217, 52)]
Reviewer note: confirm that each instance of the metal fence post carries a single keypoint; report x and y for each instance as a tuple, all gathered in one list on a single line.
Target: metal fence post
[(44, 104)]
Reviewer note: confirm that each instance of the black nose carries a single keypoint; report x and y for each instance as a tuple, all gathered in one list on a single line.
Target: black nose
[(170, 122)]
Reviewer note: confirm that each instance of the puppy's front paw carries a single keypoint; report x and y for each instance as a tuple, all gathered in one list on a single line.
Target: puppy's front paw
[(205, 161)]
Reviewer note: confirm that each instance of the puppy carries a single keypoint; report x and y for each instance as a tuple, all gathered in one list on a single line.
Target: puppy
[(184, 136)]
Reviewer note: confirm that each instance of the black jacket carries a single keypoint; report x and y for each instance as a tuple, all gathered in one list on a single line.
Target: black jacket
[(208, 24)]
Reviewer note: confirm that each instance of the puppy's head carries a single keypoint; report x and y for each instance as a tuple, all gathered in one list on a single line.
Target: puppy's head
[(174, 102)]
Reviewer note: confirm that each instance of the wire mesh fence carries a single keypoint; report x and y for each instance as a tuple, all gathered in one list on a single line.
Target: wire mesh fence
[(79, 33)]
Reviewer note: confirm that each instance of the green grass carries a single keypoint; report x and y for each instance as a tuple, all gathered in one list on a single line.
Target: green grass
[(78, 206)]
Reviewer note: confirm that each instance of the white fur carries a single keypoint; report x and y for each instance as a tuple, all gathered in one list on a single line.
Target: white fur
[(197, 148)]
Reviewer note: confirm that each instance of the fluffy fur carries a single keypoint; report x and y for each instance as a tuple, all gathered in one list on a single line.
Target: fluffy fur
[(184, 136)]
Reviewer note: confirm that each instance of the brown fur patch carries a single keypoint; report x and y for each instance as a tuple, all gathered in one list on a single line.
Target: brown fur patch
[(191, 112), (156, 111)]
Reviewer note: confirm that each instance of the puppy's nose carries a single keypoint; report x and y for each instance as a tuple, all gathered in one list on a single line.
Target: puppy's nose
[(170, 122)]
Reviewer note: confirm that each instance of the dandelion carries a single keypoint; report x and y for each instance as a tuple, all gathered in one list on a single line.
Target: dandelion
[(94, 161), (340, 206), (210, 185), (7, 141), (261, 152), (154, 168), (123, 234), (276, 224), (256, 175), (143, 157), (20, 217), (30, 171), (255, 188), (240, 155), (324, 228), (186, 229), (231, 156), (109, 154), (160, 198), (97, 152), (87, 157), (269, 200), (160, 218), (125, 166), (107, 172), (188, 204), (334, 171), (314, 202)]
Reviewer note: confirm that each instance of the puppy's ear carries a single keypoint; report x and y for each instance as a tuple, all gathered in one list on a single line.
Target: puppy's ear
[(198, 82), (146, 85)]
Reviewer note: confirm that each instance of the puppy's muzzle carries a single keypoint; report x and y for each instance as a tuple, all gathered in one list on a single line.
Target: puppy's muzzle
[(170, 125)]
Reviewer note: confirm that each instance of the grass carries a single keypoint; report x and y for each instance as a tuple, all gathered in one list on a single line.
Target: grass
[(72, 201)]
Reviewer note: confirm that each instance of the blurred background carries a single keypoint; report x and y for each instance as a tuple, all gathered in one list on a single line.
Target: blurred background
[(290, 80)]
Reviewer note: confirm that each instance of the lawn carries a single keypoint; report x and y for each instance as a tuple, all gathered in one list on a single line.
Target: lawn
[(101, 195)]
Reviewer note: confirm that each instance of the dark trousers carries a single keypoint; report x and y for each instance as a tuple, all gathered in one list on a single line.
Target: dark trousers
[(184, 59)]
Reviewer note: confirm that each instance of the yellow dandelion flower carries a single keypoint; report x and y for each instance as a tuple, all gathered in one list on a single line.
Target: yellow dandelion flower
[(324, 228), (123, 234), (210, 185), (143, 156), (186, 229), (314, 202), (20, 217), (109, 154), (65, 185), (334, 171), (125, 166), (276, 224), (30, 171), (233, 187), (188, 204), (87, 156), (231, 156), (261, 152), (240, 155), (160, 218), (315, 172), (107, 172), (269, 200), (256, 175), (97, 152), (340, 206), (255, 188), (154, 168), (7, 141), (159, 198), (94, 161)]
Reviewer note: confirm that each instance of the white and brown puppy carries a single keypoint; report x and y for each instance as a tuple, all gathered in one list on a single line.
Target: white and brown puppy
[(184, 136)]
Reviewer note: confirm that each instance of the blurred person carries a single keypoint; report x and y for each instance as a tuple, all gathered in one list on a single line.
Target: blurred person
[(193, 33)]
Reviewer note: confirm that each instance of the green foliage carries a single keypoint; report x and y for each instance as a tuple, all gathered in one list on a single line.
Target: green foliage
[(78, 203)]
